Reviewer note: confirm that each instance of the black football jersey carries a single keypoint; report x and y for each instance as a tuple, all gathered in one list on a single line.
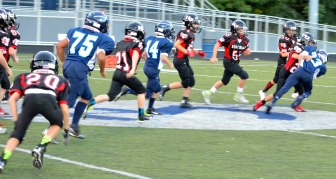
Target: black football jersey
[(233, 46), (293, 63), (45, 81), (124, 52), (188, 37)]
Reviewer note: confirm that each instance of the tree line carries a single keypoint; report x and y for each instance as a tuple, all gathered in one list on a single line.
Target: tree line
[(291, 9)]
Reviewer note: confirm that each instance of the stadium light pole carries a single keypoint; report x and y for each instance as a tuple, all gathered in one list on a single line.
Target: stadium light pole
[(313, 15)]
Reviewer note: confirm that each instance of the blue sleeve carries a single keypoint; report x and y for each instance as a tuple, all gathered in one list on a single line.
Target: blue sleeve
[(166, 48), (70, 32), (107, 44), (323, 70)]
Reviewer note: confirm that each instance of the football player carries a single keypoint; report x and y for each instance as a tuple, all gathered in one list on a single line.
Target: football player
[(128, 52), (14, 35), (310, 61), (5, 71), (235, 44), (184, 49), (290, 66), (286, 43), (87, 45), (45, 93)]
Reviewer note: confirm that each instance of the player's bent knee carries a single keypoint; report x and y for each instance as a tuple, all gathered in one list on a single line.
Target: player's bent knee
[(186, 83), (243, 75)]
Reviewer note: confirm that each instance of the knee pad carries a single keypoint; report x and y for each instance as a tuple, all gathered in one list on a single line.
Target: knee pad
[(153, 85), (17, 135), (192, 82), (186, 82), (243, 75)]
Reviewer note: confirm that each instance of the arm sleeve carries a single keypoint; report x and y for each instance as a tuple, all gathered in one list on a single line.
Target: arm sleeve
[(16, 87), (107, 44)]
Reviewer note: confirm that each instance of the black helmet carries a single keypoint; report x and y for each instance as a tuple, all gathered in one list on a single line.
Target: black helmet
[(289, 25), (97, 20), (44, 60), (189, 20), (135, 29), (238, 25), (12, 18), (4, 21)]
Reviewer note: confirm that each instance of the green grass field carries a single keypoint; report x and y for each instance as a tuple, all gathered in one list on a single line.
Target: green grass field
[(189, 154)]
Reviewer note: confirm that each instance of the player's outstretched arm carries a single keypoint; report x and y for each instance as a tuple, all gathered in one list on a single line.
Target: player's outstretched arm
[(12, 104), (101, 62), (66, 122), (214, 53)]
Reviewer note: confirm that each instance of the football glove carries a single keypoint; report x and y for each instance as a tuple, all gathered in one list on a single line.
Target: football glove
[(66, 136), (191, 53), (201, 53)]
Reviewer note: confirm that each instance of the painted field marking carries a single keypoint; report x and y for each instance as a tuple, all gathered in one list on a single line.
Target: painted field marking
[(131, 175), (311, 133)]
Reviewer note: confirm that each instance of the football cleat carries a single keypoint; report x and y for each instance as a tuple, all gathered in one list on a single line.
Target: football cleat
[(163, 92), (299, 109), (145, 117), (153, 111), (262, 94), (3, 130), (257, 105), (207, 95), (38, 153), (75, 132), (268, 109), (2, 164), (124, 91), (239, 97), (2, 112), (185, 104)]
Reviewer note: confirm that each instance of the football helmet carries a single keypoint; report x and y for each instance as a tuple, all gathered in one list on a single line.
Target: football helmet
[(289, 26), (3, 19), (166, 29), (238, 28), (323, 56), (44, 60), (189, 21), (306, 38), (97, 20), (12, 18), (135, 29)]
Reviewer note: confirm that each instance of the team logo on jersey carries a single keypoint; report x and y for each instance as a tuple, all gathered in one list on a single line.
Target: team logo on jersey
[(183, 35)]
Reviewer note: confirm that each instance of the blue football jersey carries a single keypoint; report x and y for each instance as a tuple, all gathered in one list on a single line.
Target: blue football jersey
[(311, 65), (84, 45), (155, 47)]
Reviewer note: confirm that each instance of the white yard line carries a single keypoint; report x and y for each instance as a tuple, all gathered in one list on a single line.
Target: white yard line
[(311, 133), (131, 175)]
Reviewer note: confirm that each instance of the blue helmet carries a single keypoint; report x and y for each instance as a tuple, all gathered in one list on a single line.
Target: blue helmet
[(306, 38), (97, 20), (323, 56), (166, 29)]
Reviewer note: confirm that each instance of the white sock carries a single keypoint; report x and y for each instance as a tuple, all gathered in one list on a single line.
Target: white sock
[(240, 90), (213, 89)]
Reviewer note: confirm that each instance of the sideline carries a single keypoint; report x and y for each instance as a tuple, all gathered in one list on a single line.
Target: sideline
[(131, 175)]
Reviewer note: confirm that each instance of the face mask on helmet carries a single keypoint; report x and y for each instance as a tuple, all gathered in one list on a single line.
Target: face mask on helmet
[(166, 29), (238, 28), (4, 21), (289, 28), (98, 21), (307, 39), (44, 60), (135, 29), (192, 23)]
